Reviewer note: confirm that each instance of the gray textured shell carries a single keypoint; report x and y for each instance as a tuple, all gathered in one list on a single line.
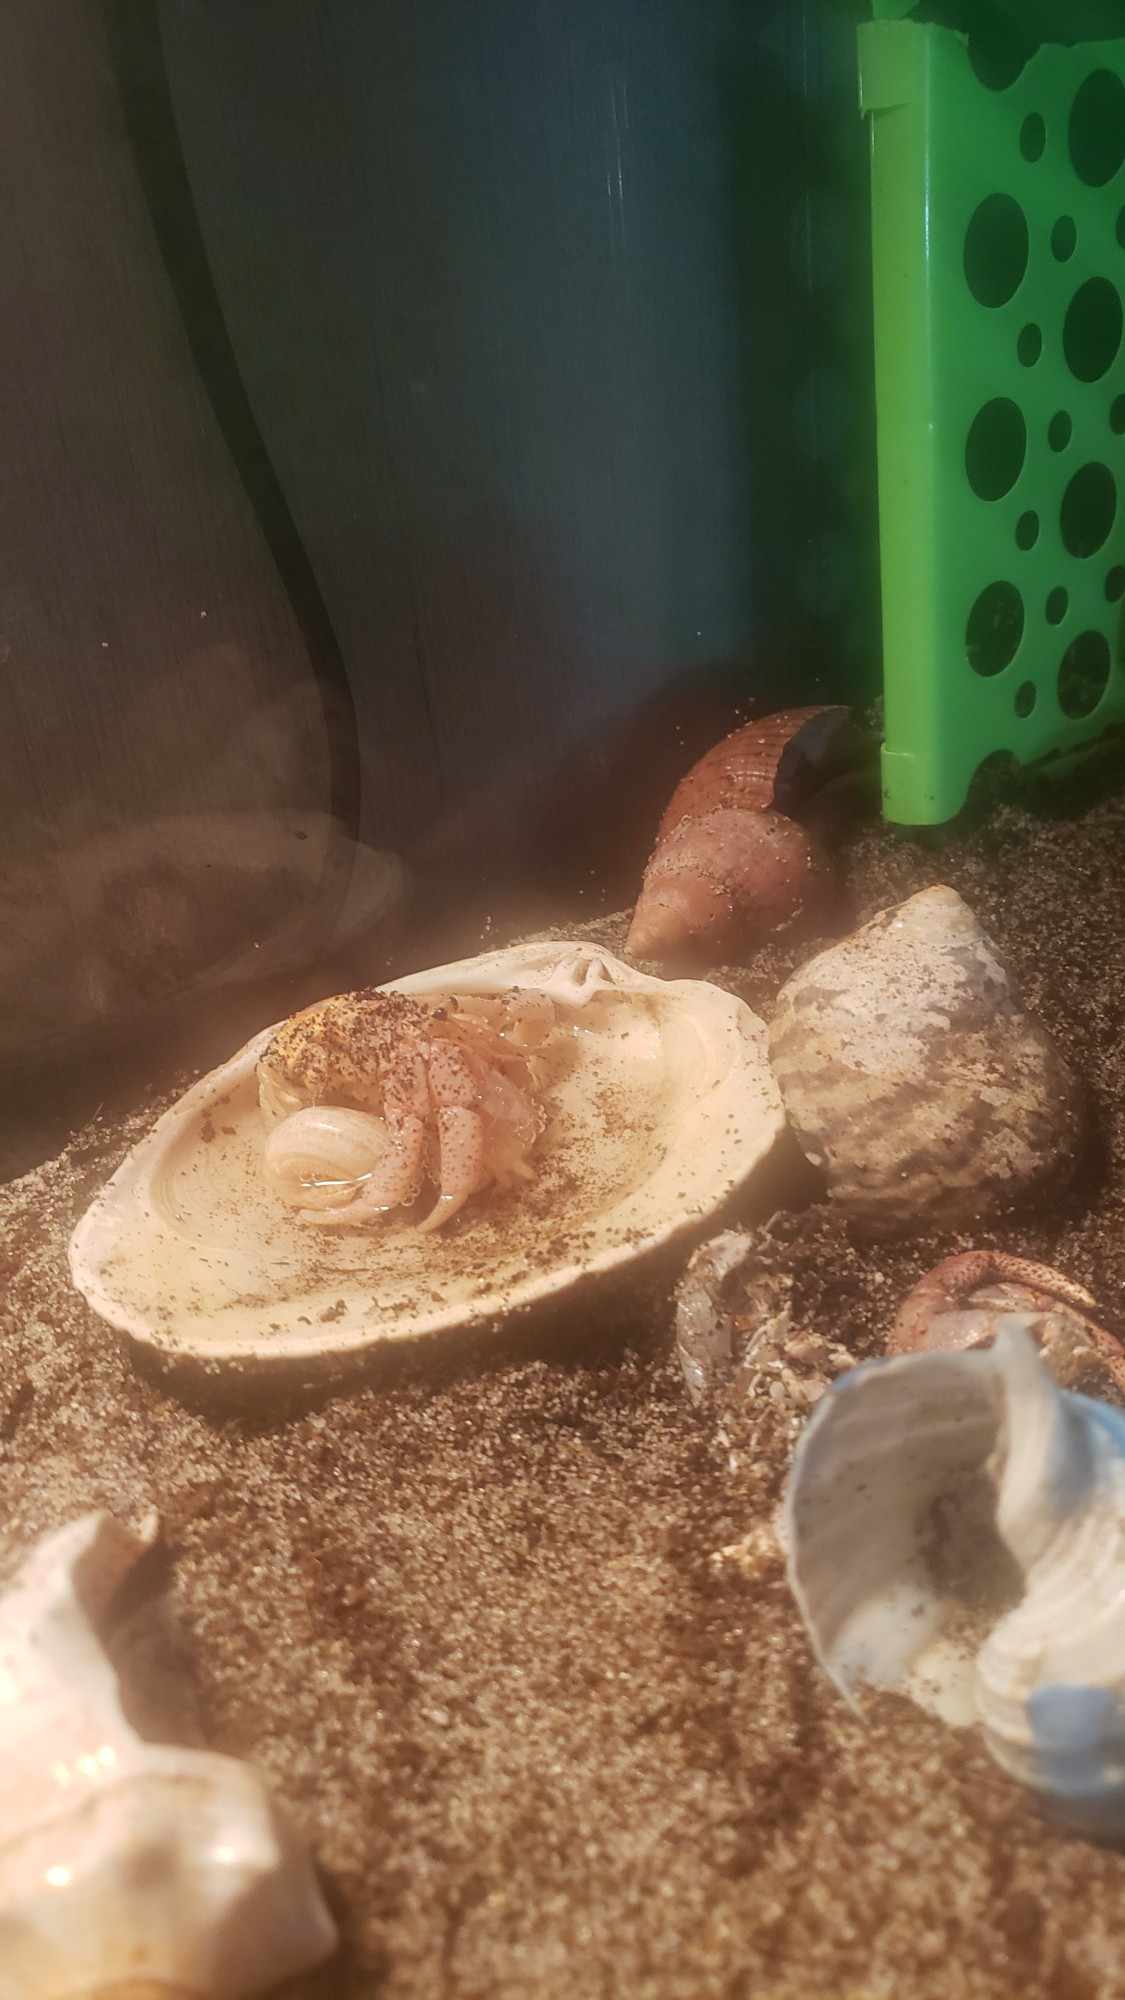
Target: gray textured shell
[(913, 1075)]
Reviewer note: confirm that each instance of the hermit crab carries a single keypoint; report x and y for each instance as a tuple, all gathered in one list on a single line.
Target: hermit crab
[(962, 1301), (371, 1093)]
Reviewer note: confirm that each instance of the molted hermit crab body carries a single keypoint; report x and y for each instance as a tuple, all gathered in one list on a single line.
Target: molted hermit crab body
[(448, 1079)]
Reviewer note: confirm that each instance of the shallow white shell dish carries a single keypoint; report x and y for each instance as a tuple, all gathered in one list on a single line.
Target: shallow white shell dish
[(915, 1483), (659, 1101), (127, 1868)]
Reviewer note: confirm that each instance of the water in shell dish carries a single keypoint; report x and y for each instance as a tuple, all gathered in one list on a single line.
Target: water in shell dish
[(128, 1869), (955, 1526), (568, 1114)]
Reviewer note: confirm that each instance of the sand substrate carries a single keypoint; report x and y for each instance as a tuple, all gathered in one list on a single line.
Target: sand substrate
[(467, 1613)]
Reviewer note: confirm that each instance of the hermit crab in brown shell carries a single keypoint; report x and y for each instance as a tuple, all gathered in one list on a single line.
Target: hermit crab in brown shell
[(962, 1301), (730, 866), (370, 1094)]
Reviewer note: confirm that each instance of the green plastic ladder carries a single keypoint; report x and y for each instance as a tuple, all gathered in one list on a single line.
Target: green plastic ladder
[(998, 238)]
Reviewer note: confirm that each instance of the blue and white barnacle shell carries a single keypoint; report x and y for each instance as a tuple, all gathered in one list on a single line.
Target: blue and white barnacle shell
[(910, 1481)]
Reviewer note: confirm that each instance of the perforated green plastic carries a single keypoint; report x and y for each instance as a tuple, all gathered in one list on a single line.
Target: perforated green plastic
[(999, 258)]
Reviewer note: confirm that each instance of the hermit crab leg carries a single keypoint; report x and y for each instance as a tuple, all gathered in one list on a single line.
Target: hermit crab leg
[(520, 1017), (513, 1127), (463, 1167), (462, 1156)]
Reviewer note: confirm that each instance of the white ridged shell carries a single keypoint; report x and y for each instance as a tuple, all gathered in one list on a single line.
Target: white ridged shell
[(1047, 1681), (659, 1103), (324, 1143), (125, 1864)]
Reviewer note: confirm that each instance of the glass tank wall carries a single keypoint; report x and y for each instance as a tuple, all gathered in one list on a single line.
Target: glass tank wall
[(430, 424)]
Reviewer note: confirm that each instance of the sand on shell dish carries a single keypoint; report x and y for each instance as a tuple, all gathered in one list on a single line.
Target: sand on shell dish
[(659, 1103)]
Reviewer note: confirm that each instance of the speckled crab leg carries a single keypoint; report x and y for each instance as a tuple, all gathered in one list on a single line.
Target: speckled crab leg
[(461, 1152), (952, 1282), (462, 1162)]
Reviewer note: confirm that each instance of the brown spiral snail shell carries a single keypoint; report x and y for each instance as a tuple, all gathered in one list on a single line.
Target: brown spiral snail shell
[(730, 867)]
